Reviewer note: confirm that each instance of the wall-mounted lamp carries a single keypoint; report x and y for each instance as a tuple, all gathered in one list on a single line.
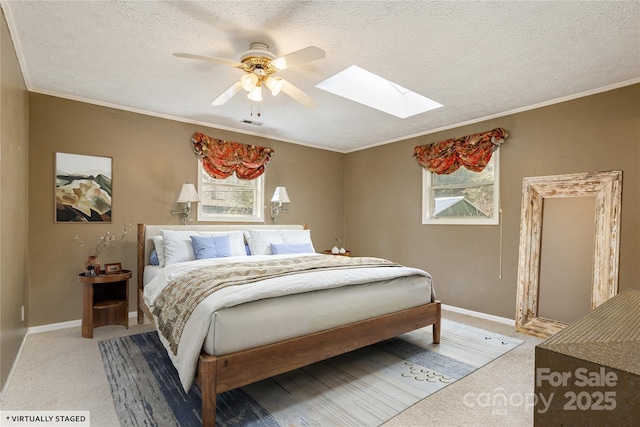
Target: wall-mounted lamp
[(280, 196), (187, 195)]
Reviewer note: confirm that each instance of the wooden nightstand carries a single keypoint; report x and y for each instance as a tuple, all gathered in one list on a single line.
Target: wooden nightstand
[(105, 301)]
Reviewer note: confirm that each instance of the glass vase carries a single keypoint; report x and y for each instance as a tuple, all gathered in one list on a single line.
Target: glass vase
[(93, 266)]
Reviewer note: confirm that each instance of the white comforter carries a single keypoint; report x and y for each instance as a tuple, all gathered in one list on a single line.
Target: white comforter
[(197, 326)]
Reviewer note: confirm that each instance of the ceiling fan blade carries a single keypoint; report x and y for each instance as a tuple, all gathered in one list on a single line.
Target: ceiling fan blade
[(308, 54), (299, 95), (227, 94), (208, 58)]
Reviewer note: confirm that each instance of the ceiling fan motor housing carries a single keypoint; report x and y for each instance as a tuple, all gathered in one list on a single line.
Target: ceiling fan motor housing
[(257, 50), (258, 59)]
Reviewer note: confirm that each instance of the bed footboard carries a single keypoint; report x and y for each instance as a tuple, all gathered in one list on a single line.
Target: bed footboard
[(222, 373)]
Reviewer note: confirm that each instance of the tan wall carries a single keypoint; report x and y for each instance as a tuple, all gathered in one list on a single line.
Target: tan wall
[(383, 196), (13, 203), (371, 197), (152, 158), (566, 258)]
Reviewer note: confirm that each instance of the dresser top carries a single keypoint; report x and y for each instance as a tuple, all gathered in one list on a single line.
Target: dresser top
[(608, 335)]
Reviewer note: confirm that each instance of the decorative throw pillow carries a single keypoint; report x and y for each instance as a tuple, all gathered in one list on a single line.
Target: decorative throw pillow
[(153, 258), (260, 240), (211, 246), (158, 243), (292, 248), (178, 246)]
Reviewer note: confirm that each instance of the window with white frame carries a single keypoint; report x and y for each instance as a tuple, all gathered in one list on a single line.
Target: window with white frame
[(462, 197), (230, 199)]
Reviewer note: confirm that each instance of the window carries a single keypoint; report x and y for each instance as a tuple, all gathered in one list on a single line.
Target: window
[(230, 199), (462, 197)]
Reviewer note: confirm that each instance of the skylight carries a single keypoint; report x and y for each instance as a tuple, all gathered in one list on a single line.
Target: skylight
[(371, 90)]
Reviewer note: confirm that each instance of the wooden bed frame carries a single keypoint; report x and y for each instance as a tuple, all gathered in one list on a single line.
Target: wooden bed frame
[(217, 374)]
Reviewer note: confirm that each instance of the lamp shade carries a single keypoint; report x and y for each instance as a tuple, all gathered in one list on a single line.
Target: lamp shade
[(274, 84), (255, 94), (248, 81), (188, 194), (280, 195)]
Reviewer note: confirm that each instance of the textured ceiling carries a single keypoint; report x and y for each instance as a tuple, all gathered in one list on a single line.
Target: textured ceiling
[(479, 59)]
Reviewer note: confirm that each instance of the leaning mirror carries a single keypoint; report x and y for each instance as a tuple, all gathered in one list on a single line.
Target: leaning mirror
[(606, 187)]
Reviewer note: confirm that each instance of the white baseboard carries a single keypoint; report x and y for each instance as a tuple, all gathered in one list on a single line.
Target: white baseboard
[(64, 325), (134, 314), (506, 321), (13, 367)]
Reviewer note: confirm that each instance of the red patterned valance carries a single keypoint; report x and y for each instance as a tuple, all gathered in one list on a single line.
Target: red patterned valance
[(222, 158), (471, 151)]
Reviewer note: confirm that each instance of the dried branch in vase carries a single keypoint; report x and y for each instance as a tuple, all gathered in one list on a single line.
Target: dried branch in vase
[(109, 240)]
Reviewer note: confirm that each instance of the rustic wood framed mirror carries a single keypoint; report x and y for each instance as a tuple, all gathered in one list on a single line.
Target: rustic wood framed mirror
[(606, 187)]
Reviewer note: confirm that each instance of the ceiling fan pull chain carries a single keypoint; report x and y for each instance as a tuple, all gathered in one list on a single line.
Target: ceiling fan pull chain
[(252, 109)]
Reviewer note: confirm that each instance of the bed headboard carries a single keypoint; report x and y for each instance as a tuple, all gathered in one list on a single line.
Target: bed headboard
[(146, 232)]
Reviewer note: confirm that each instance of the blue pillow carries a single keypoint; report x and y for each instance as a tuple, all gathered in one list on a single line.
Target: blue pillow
[(211, 246), (153, 258), (300, 248)]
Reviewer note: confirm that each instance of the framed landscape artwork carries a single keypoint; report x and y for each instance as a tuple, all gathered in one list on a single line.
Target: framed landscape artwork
[(83, 188)]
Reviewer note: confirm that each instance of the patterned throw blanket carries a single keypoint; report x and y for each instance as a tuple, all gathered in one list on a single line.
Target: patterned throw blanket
[(181, 296)]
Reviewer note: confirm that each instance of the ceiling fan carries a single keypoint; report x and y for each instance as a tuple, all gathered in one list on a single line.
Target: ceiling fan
[(260, 65)]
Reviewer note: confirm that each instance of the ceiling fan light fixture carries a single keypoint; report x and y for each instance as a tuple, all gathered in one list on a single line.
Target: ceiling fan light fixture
[(249, 81), (255, 94), (259, 65), (274, 84)]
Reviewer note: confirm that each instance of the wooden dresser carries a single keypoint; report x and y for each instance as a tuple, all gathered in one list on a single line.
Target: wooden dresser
[(589, 373)]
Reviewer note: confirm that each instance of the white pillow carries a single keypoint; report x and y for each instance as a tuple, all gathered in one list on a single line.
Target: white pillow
[(158, 243), (260, 240), (296, 237), (178, 247)]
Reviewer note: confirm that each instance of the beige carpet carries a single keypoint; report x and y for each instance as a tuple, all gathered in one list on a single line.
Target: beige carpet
[(60, 370)]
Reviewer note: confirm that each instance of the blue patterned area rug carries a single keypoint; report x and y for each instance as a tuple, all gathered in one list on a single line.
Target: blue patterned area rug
[(363, 388)]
